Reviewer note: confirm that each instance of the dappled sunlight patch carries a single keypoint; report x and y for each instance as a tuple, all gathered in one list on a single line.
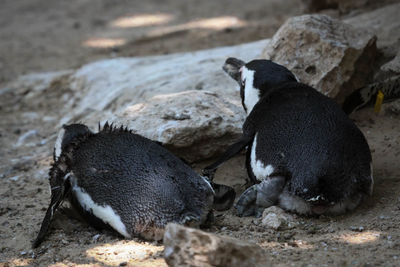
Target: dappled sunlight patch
[(295, 244), (129, 251), (104, 42), (359, 237), (141, 20), (68, 263), (20, 262), (216, 24)]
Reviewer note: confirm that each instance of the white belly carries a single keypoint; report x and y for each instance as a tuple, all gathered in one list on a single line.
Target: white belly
[(260, 170)]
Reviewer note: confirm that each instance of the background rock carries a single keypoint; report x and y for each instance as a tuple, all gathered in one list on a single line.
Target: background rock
[(393, 66), (385, 24), (325, 53), (191, 247), (193, 124)]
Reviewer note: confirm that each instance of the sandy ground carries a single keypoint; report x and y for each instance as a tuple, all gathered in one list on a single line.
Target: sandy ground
[(44, 35)]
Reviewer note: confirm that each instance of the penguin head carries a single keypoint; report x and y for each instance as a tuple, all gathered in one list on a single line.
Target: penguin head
[(66, 135), (256, 78)]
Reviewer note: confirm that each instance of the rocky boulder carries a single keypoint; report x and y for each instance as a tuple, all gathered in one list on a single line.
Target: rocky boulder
[(193, 124), (343, 5), (333, 57), (385, 24), (191, 247)]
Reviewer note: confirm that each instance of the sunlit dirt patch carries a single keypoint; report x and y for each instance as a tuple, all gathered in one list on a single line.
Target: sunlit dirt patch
[(359, 238), (104, 42), (131, 252), (298, 244), (141, 20), (68, 263), (19, 262), (215, 24)]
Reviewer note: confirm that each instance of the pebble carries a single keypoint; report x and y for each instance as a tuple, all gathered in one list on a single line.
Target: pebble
[(357, 229)]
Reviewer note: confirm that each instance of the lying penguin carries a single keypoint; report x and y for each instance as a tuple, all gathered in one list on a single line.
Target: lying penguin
[(304, 154), (123, 181)]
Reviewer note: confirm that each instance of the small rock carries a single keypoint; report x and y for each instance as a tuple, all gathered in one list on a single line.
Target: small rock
[(123, 263), (357, 229), (276, 218), (14, 178), (25, 137), (191, 247), (96, 238)]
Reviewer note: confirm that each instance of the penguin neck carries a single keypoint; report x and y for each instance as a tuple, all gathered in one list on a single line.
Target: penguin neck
[(251, 94)]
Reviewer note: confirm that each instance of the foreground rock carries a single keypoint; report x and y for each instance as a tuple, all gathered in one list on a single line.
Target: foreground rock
[(325, 53), (194, 124), (191, 247)]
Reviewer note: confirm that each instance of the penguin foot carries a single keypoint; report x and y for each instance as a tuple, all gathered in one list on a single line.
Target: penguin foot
[(260, 196)]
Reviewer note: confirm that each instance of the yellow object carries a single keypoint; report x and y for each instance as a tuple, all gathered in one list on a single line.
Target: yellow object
[(378, 102)]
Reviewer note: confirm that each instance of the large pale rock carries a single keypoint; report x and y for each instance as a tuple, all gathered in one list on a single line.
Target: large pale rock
[(333, 57), (141, 93), (194, 124), (112, 85), (191, 247)]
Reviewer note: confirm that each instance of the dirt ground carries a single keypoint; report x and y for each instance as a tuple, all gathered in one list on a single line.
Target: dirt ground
[(45, 35)]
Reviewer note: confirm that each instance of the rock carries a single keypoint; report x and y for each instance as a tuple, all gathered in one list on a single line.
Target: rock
[(385, 24), (108, 86), (316, 5), (191, 247), (24, 138), (392, 66), (343, 5), (277, 219), (99, 91), (193, 124), (333, 57)]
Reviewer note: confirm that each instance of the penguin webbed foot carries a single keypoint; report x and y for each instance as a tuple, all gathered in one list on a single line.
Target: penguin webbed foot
[(246, 205), (224, 196), (260, 196)]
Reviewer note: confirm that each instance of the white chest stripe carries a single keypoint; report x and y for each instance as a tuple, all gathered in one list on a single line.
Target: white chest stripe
[(259, 169), (251, 94), (57, 146), (105, 213)]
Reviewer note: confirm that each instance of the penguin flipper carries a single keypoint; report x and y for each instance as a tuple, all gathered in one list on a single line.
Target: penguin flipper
[(58, 193)]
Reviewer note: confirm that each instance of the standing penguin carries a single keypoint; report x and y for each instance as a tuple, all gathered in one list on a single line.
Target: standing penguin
[(120, 180), (304, 154)]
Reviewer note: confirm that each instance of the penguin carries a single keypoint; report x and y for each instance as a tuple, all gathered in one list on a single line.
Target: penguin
[(303, 152), (122, 181)]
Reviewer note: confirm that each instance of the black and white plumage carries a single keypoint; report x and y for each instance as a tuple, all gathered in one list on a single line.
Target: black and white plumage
[(304, 154), (119, 179)]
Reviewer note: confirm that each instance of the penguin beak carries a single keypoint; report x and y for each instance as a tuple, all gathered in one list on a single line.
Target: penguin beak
[(232, 67)]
